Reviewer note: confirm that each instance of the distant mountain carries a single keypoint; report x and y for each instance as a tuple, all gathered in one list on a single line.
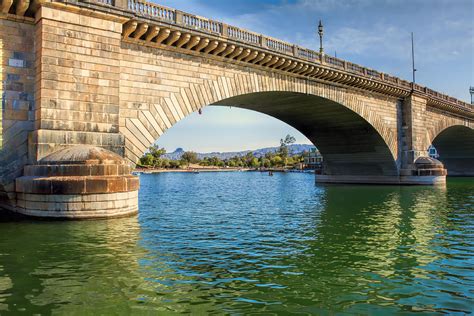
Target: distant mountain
[(294, 149)]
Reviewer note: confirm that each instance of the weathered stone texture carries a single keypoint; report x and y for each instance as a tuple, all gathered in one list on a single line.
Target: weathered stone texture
[(160, 87), (17, 76), (78, 82)]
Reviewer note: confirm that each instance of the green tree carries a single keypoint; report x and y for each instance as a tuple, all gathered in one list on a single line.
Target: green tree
[(156, 151), (248, 159), (277, 161), (215, 161), (189, 157), (165, 163), (205, 162), (174, 164), (147, 160), (284, 143), (266, 163), (153, 157), (255, 163)]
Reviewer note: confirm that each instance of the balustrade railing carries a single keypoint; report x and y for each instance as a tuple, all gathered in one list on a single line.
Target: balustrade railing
[(374, 74), (243, 35), (404, 84), (307, 54), (279, 46), (354, 68), (338, 63), (151, 10), (417, 87), (202, 23), (108, 2), (391, 79)]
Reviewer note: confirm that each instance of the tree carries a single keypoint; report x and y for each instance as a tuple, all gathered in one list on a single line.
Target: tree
[(156, 151), (255, 163), (266, 163), (283, 150), (277, 161), (165, 163), (248, 159), (152, 157), (189, 157), (147, 160), (174, 164)]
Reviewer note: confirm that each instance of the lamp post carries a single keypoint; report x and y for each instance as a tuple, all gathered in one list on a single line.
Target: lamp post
[(320, 33), (471, 90)]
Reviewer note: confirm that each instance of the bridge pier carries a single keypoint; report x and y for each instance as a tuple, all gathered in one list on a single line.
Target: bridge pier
[(388, 180), (80, 182)]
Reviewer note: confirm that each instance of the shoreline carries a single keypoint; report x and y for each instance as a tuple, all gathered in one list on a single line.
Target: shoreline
[(198, 170), (192, 170)]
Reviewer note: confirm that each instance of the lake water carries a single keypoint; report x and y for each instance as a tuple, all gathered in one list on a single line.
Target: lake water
[(243, 242)]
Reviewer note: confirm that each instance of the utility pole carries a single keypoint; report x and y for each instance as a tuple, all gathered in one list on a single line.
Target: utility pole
[(413, 59), (471, 90)]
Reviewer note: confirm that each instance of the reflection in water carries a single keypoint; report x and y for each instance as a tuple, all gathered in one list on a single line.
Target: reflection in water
[(246, 242), (69, 266)]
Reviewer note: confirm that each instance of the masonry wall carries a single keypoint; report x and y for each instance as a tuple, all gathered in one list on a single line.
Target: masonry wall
[(160, 85), (78, 82), (437, 122), (17, 76)]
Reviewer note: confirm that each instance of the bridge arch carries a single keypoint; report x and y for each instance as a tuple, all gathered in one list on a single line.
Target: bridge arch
[(158, 90), (351, 135), (455, 146)]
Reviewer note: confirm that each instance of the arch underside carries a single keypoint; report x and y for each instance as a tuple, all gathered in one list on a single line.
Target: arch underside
[(455, 146), (349, 144)]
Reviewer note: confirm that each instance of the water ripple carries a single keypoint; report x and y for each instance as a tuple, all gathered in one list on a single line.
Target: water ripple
[(238, 243)]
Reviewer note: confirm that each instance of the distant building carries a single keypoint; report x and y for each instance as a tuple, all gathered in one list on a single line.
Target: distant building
[(313, 159), (432, 152)]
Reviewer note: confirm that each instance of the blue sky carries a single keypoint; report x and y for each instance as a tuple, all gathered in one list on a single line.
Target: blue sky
[(373, 33)]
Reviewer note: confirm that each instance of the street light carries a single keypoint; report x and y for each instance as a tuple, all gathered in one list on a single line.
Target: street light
[(321, 32), (471, 90)]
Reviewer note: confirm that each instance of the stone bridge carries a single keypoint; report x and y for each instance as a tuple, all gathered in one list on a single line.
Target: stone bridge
[(87, 86)]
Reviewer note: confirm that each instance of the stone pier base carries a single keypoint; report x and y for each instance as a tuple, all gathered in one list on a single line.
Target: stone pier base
[(394, 180), (84, 206), (424, 171), (81, 182)]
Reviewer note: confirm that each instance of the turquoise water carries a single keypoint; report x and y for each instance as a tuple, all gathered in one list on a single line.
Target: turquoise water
[(244, 242)]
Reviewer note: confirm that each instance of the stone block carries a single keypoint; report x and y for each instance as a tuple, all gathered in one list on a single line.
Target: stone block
[(68, 185), (96, 185)]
